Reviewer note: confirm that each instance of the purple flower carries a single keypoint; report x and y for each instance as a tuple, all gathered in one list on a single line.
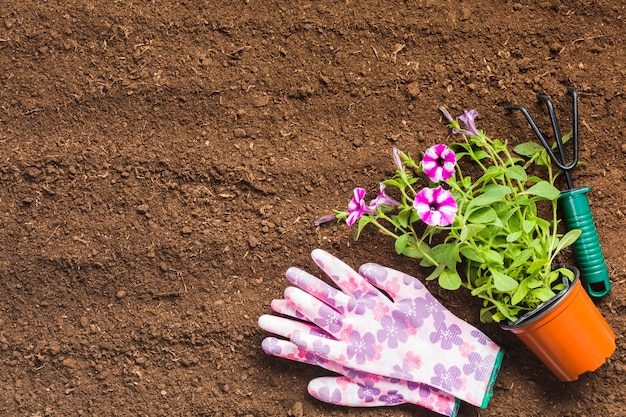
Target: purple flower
[(447, 379), (367, 391), (448, 336), (325, 219), (382, 199), (392, 397), (361, 347), (396, 159), (435, 206), (438, 163), (357, 207), (468, 118), (393, 330), (481, 368)]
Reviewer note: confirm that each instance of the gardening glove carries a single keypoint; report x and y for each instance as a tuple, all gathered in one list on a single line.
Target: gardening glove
[(354, 389), (410, 336)]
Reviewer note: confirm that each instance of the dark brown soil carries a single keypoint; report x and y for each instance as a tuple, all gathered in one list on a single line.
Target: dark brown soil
[(162, 163)]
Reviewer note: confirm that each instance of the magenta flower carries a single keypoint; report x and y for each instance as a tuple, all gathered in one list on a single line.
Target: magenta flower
[(468, 118), (382, 199), (357, 207), (435, 206), (438, 163)]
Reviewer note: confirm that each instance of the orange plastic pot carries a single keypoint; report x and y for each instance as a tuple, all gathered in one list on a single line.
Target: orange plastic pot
[(568, 333)]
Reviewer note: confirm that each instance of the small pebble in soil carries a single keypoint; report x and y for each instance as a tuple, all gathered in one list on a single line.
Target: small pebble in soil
[(296, 410), (120, 294)]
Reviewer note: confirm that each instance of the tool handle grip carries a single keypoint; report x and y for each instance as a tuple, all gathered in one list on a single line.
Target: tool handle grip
[(577, 213)]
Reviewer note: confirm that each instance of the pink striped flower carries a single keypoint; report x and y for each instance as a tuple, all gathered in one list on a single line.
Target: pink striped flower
[(357, 207), (435, 206), (438, 163)]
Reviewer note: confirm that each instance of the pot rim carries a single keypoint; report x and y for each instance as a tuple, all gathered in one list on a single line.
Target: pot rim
[(546, 307)]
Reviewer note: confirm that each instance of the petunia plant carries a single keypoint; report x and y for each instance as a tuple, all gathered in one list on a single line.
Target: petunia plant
[(478, 215)]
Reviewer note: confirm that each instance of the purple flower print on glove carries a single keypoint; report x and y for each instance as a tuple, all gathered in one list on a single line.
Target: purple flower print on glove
[(368, 391), (393, 329), (478, 366), (447, 336), (325, 394), (392, 398), (362, 302), (447, 379), (361, 348)]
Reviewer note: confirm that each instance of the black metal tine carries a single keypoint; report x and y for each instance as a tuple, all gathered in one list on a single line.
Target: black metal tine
[(563, 162)]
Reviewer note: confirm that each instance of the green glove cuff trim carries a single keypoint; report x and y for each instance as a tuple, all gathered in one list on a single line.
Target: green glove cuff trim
[(455, 410), (492, 379)]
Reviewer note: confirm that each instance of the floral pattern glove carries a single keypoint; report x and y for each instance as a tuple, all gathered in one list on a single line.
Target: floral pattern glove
[(410, 336), (354, 389)]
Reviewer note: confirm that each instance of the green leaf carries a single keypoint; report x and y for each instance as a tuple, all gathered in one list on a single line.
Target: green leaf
[(493, 256), (520, 292), (502, 281), (449, 279), (363, 221), (543, 189), (544, 294), (569, 238), (491, 194), (470, 230), (528, 225), (516, 172), (401, 243), (536, 265), (413, 253), (521, 258), (528, 149), (403, 217), (436, 273), (483, 215), (512, 237), (473, 255)]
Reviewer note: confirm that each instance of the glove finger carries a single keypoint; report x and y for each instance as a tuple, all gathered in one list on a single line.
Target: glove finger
[(287, 350), (285, 327), (357, 353), (342, 274), (282, 306), (318, 288), (344, 391), (395, 283), (315, 311)]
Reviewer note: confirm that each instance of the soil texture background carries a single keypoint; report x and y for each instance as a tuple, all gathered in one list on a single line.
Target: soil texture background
[(162, 163)]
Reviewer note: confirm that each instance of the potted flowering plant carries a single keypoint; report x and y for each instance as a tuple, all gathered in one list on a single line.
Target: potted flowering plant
[(492, 230)]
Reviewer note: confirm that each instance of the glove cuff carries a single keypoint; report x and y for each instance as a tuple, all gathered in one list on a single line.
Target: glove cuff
[(492, 379)]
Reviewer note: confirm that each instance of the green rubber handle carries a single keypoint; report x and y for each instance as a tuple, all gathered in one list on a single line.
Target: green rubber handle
[(577, 213)]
